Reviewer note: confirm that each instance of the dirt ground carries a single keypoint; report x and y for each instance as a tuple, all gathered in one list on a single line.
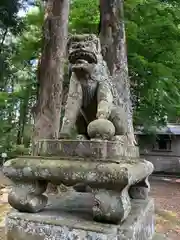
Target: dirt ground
[(167, 204)]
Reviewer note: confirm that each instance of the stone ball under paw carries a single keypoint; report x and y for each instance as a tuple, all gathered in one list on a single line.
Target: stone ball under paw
[(101, 128)]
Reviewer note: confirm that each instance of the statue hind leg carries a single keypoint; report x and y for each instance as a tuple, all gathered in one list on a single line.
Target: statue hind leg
[(118, 118)]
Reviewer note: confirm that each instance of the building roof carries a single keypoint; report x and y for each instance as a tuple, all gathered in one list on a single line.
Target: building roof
[(170, 129)]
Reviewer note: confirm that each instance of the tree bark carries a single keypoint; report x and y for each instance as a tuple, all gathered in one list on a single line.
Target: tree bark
[(51, 70), (113, 42), (22, 117)]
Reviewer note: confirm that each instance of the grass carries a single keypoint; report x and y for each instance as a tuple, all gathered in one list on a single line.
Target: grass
[(168, 223)]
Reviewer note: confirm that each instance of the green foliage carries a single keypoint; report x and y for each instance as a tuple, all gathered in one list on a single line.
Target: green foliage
[(84, 16), (14, 77), (8, 14), (153, 38), (29, 42)]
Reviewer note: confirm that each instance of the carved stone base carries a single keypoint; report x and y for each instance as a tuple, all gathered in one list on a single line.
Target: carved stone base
[(110, 182), (111, 206), (140, 190), (28, 196), (94, 149), (111, 171), (77, 224)]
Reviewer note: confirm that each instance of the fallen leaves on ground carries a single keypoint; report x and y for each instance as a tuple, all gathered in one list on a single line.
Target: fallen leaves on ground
[(167, 196)]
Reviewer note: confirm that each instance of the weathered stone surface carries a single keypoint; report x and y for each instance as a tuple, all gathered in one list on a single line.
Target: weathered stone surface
[(108, 181), (28, 196), (140, 190), (101, 128), (94, 149), (92, 94), (58, 224), (111, 206), (108, 175)]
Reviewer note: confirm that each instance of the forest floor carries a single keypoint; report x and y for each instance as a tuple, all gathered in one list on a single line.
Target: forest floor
[(167, 204)]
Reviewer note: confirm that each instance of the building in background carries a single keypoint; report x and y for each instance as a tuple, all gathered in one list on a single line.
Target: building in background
[(161, 147)]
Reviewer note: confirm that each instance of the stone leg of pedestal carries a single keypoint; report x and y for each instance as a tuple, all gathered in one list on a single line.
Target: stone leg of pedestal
[(140, 190), (27, 196), (56, 223), (111, 206)]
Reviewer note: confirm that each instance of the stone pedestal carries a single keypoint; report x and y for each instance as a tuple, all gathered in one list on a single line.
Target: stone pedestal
[(70, 218), (113, 173)]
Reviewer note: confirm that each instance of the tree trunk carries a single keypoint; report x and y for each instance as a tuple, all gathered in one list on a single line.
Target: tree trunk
[(51, 70), (23, 115), (113, 41)]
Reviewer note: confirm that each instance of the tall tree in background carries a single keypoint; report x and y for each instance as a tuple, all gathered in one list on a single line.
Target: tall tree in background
[(10, 26), (113, 41), (51, 69)]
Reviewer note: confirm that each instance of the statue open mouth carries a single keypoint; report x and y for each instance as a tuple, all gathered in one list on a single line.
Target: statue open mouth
[(82, 56)]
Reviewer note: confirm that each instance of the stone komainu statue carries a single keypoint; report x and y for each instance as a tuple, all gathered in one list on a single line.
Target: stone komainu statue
[(111, 171), (92, 95)]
